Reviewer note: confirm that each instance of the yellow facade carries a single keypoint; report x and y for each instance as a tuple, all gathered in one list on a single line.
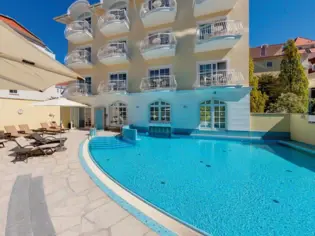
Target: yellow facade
[(184, 63), (15, 112)]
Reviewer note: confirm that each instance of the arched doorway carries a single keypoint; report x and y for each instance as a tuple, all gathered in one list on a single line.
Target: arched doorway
[(160, 112)]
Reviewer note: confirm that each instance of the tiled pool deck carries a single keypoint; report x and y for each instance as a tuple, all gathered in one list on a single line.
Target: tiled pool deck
[(53, 195)]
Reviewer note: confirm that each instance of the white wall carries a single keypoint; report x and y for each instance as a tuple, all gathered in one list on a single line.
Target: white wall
[(31, 95), (185, 106)]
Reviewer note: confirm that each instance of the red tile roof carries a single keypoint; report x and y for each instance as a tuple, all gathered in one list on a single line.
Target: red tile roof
[(21, 29)]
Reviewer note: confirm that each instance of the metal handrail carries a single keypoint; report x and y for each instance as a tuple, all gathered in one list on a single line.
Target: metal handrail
[(111, 16), (219, 28), (155, 5), (78, 26), (167, 82), (78, 89), (158, 40), (219, 78), (78, 56), (111, 50), (112, 86)]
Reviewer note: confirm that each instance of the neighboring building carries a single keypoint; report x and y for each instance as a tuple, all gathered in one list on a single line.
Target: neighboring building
[(267, 59), (160, 63), (21, 94)]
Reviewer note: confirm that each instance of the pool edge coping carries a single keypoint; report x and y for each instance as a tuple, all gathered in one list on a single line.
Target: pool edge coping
[(154, 218)]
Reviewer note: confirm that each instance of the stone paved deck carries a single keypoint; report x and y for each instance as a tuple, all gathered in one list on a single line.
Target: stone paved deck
[(54, 196)]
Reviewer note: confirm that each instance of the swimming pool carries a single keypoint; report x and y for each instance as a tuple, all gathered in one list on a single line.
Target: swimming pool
[(220, 187)]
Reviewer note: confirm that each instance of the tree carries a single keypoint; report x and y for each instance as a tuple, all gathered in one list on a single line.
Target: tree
[(271, 86), (288, 103), (292, 75), (257, 98)]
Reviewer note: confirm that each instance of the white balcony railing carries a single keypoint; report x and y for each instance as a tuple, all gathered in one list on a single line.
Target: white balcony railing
[(219, 29), (167, 82), (112, 50), (113, 16), (157, 41), (219, 78), (77, 27), (156, 5), (78, 89), (112, 86), (79, 56)]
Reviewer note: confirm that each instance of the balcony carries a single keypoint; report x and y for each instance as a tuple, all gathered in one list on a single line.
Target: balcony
[(114, 22), (218, 35), (158, 45), (113, 53), (79, 59), (118, 86), (220, 78), (167, 82), (78, 32), (204, 7), (158, 12), (75, 89)]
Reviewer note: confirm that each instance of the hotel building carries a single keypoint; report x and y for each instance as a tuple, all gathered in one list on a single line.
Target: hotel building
[(173, 63)]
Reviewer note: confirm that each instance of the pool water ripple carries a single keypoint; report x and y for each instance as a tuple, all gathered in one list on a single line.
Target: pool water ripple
[(220, 187)]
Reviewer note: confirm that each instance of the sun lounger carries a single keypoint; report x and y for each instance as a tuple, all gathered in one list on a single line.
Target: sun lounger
[(26, 129), (26, 149), (14, 132), (55, 126), (2, 138), (48, 129), (48, 139)]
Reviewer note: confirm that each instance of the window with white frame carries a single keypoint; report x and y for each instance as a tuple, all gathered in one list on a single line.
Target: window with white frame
[(159, 76), (86, 16), (117, 81), (213, 73), (163, 3), (87, 117), (212, 115), (13, 92), (119, 44), (160, 111), (117, 114), (164, 37)]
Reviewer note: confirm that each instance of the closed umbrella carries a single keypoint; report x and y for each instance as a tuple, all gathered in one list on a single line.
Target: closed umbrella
[(25, 67)]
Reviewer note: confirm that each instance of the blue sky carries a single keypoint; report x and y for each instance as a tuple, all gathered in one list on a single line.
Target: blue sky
[(271, 21)]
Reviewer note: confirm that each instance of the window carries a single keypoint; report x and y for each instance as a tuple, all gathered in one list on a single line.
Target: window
[(13, 92), (117, 114), (118, 81), (85, 16), (87, 117), (120, 44), (313, 93), (212, 115), (163, 35), (159, 76), (88, 82), (263, 50), (269, 64), (160, 112), (164, 3), (213, 73), (215, 28)]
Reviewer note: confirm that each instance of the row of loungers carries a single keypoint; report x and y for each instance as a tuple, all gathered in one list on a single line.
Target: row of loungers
[(31, 142)]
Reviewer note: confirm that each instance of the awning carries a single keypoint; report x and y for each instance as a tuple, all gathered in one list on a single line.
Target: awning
[(60, 102), (25, 67)]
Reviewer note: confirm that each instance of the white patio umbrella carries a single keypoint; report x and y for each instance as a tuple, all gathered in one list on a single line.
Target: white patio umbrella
[(26, 67), (59, 102)]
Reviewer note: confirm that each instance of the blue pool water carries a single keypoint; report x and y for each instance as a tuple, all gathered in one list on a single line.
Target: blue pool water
[(219, 187)]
